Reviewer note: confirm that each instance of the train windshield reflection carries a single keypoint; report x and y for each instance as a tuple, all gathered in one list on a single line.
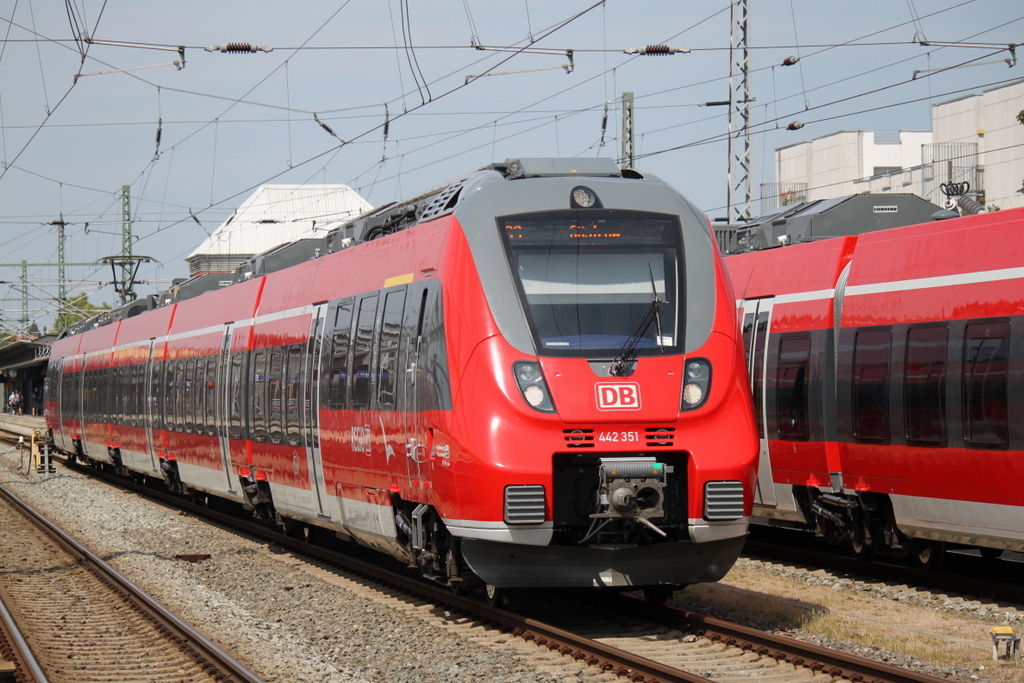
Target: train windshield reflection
[(585, 278)]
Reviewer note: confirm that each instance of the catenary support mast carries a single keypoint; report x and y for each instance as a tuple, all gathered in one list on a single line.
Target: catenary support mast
[(739, 116)]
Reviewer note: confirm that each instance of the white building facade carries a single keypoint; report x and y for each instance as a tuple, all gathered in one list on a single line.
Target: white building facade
[(975, 139), (275, 215)]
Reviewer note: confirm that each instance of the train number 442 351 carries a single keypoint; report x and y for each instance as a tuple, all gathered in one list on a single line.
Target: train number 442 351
[(618, 436)]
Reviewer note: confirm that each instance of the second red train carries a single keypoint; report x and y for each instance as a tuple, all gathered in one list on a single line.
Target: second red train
[(887, 370)]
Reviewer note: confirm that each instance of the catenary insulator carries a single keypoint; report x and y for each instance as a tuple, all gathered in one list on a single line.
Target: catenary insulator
[(656, 50)]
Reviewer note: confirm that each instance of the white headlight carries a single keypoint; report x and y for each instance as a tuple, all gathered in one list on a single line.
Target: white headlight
[(534, 395), (692, 394)]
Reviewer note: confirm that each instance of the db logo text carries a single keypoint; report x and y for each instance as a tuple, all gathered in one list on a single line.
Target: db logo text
[(623, 396)]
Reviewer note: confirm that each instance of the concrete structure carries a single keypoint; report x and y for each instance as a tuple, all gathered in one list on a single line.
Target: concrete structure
[(272, 216), (975, 139), (23, 367)]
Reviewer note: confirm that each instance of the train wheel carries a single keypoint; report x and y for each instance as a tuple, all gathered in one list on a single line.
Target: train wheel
[(659, 595), (991, 553), (930, 555), (862, 551), (496, 597)]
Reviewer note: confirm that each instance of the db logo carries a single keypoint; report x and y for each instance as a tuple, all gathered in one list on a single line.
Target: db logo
[(618, 396)]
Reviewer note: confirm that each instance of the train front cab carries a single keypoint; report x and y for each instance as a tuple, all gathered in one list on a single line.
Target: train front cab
[(553, 492)]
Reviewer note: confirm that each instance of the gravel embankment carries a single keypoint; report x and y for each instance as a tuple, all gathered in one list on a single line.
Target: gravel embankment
[(291, 621), (284, 619)]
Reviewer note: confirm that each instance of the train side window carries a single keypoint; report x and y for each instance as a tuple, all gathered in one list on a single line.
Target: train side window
[(924, 387), (190, 397), (105, 382), (387, 357), (871, 386), (117, 380), (293, 396), (132, 407), (156, 400), (210, 389), (99, 396), (88, 396), (133, 389), (199, 396), (126, 388), (174, 380), (183, 400), (986, 357), (338, 382), (362, 349), (84, 393), (791, 385), (236, 421), (259, 396), (275, 377)]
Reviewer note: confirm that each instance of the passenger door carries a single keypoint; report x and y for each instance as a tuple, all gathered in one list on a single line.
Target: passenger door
[(150, 389), (757, 315), (311, 402), (415, 442), (223, 407)]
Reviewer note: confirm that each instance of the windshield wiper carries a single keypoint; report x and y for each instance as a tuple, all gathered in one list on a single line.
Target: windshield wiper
[(627, 354)]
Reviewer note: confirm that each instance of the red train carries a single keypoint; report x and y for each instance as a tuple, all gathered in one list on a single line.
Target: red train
[(530, 376), (888, 378)]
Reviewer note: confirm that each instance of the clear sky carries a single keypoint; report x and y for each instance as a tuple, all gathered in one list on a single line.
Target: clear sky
[(230, 122)]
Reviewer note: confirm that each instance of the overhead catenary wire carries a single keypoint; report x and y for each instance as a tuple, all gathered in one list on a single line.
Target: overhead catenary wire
[(560, 114)]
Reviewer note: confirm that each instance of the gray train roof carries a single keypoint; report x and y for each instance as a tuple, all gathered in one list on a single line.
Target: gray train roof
[(824, 219)]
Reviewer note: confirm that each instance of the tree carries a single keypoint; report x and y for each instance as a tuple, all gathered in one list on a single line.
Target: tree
[(78, 308)]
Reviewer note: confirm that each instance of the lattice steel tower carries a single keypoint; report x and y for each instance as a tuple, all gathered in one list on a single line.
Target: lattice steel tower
[(738, 196)]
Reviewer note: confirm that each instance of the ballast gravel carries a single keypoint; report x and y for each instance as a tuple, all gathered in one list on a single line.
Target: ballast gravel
[(282, 621), (291, 621)]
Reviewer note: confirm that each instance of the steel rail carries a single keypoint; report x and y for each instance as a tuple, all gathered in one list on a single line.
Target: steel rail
[(609, 658), (208, 653), (814, 657), (15, 650), (881, 570)]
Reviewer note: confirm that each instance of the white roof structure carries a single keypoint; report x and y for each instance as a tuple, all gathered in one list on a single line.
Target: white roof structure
[(272, 216)]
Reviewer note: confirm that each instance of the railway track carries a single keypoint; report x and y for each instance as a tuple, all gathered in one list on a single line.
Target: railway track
[(625, 636), (84, 621), (17, 663), (959, 575)]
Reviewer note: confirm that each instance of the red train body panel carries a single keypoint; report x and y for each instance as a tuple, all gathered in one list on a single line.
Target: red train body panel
[(888, 372), (494, 382)]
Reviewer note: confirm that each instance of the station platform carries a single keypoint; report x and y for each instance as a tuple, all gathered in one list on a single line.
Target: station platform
[(20, 425)]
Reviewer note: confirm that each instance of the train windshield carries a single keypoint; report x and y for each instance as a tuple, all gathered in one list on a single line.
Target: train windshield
[(586, 279)]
